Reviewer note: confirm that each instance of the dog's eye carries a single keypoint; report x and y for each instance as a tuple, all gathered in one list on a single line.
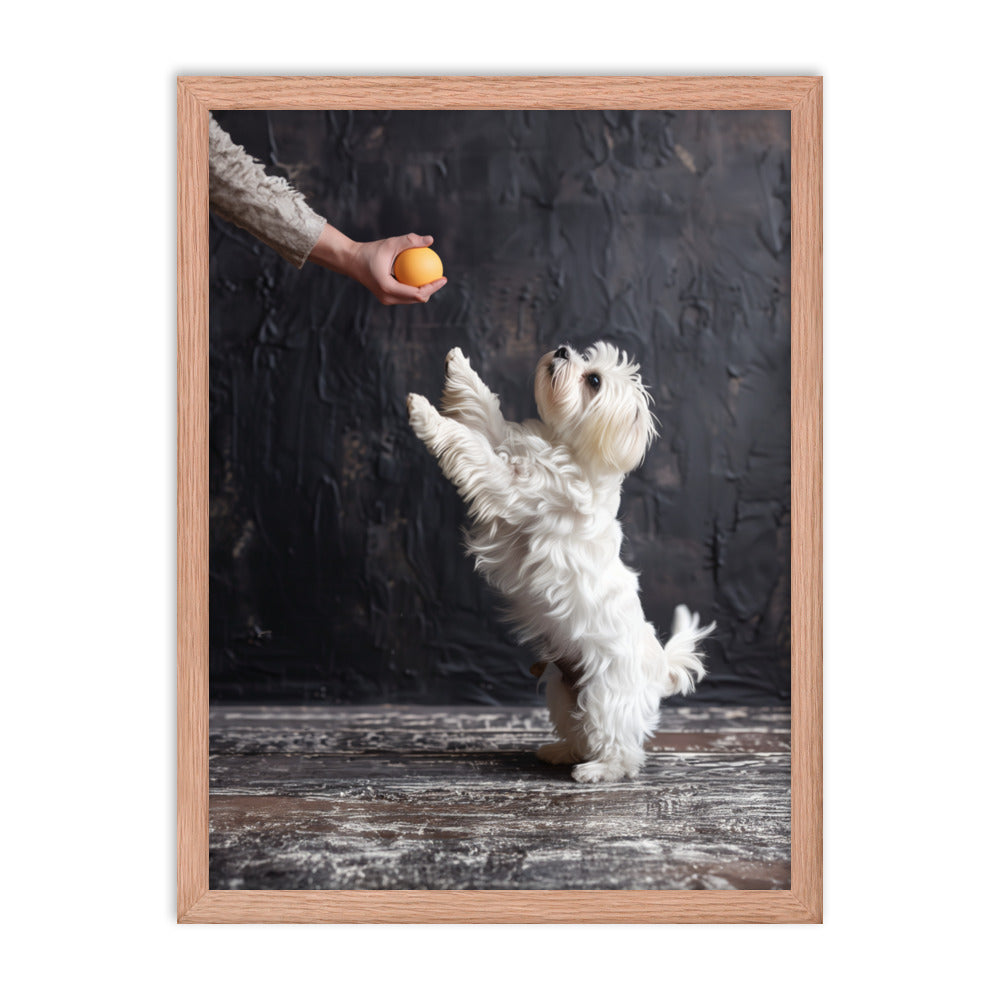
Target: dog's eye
[(594, 381)]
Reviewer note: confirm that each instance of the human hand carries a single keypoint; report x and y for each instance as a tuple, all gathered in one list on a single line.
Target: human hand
[(370, 264)]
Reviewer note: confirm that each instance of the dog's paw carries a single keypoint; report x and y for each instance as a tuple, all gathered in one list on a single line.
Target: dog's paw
[(459, 378), (593, 771), (557, 753), (455, 358), (422, 414)]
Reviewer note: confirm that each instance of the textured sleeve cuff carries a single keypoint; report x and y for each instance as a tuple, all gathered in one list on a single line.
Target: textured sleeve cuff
[(267, 207)]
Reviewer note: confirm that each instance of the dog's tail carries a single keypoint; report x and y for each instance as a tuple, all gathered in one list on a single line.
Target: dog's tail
[(684, 659)]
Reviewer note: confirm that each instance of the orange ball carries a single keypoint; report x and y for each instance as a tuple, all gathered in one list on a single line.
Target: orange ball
[(417, 266)]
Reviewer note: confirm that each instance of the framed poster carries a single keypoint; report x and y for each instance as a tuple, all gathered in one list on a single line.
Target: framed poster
[(579, 248)]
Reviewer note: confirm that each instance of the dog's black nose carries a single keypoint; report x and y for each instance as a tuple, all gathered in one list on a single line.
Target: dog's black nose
[(561, 352)]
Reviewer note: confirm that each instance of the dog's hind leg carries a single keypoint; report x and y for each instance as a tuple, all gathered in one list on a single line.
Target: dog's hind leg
[(467, 399), (616, 725), (561, 700), (559, 752)]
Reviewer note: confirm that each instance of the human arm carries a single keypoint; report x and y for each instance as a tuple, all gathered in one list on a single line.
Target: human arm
[(269, 208)]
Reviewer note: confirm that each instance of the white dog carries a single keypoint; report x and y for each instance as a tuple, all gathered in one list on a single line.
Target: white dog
[(543, 498)]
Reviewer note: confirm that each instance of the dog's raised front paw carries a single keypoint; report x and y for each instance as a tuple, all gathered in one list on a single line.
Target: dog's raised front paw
[(598, 770), (459, 378), (422, 414), (455, 358)]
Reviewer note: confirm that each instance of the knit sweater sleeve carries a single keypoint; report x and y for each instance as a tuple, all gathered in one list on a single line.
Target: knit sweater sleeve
[(267, 207)]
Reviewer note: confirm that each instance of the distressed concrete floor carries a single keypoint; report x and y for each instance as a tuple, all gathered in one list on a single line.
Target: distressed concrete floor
[(453, 798)]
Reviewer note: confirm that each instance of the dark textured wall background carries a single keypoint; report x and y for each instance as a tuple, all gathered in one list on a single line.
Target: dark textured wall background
[(336, 563)]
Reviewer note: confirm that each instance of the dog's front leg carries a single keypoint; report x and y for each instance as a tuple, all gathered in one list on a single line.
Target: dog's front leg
[(467, 399), (484, 480)]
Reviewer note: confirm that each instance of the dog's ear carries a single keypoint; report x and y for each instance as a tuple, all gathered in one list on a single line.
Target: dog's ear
[(631, 438), (621, 426)]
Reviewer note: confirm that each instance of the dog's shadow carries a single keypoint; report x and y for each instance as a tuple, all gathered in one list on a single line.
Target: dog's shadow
[(523, 765)]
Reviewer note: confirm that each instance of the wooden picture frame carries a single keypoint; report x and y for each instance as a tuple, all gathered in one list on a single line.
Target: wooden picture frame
[(802, 903)]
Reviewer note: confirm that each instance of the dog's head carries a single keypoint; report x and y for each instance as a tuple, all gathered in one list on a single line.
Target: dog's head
[(596, 403)]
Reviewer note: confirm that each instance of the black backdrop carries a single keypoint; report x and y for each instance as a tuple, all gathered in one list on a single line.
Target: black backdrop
[(337, 572)]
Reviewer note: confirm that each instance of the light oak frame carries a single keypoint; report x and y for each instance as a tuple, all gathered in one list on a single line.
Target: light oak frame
[(196, 903)]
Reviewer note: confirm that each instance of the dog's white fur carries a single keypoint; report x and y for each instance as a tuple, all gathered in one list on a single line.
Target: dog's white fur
[(543, 497)]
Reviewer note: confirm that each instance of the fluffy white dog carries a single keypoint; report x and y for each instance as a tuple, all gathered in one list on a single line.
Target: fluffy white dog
[(543, 498)]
